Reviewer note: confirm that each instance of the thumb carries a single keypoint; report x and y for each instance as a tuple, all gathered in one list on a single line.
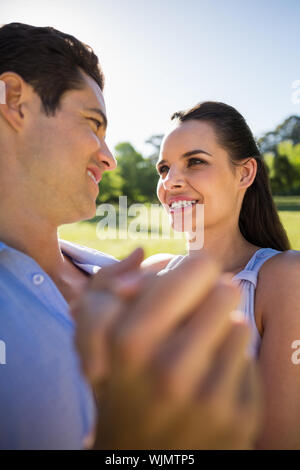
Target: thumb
[(106, 275)]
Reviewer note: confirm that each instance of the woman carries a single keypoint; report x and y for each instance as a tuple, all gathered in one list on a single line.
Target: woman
[(211, 158)]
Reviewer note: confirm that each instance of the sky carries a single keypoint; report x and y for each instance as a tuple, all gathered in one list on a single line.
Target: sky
[(161, 56)]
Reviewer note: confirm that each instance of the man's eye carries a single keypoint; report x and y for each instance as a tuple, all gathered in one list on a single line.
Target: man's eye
[(98, 123), (162, 169)]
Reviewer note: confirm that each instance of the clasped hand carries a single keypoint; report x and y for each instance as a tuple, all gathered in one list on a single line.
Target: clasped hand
[(167, 358)]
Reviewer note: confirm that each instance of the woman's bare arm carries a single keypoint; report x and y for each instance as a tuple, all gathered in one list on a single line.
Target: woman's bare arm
[(156, 263), (280, 290)]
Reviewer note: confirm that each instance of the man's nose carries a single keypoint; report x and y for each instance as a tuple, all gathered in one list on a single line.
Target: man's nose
[(107, 158), (174, 179)]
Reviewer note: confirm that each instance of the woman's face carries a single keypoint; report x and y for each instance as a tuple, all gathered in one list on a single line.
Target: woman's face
[(194, 168)]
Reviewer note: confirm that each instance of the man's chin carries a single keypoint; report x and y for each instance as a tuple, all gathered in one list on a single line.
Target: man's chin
[(87, 214)]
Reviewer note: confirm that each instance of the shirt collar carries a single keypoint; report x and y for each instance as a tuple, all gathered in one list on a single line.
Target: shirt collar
[(86, 258), (3, 246)]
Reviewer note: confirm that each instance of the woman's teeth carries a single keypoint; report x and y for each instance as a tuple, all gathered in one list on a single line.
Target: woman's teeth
[(92, 176), (180, 204)]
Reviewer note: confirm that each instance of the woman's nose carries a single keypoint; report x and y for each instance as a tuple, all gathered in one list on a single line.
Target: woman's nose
[(174, 179)]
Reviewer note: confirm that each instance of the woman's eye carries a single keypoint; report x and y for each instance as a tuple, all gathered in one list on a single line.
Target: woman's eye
[(195, 161), (191, 162), (162, 169)]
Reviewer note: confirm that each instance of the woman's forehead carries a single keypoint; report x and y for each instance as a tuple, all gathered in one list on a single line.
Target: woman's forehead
[(188, 134)]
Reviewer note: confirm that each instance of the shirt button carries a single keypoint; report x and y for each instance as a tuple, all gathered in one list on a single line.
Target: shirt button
[(38, 279)]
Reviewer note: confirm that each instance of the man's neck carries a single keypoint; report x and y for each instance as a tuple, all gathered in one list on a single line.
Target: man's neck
[(25, 227), (37, 240), (41, 244)]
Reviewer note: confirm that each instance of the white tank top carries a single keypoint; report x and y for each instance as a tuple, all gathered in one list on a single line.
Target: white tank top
[(247, 281)]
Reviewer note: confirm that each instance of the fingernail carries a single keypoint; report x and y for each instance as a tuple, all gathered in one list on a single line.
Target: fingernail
[(237, 316)]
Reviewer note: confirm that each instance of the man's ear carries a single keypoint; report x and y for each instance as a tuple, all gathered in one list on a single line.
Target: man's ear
[(15, 94), (247, 172)]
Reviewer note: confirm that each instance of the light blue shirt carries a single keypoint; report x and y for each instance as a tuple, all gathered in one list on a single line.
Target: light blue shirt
[(45, 403)]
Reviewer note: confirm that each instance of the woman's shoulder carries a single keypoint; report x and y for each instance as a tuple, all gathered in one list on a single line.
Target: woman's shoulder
[(278, 281), (156, 263), (284, 262)]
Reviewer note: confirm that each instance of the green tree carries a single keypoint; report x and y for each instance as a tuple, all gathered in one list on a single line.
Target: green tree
[(288, 130), (148, 178), (284, 176), (138, 174), (281, 150), (129, 163), (155, 141), (110, 187)]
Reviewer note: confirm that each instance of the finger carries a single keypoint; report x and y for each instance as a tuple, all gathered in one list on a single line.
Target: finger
[(222, 386), (224, 377), (99, 308), (156, 266), (129, 285), (187, 356), (250, 401), (96, 314), (105, 276), (245, 416), (168, 300)]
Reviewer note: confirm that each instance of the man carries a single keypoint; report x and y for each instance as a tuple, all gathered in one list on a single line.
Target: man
[(52, 157)]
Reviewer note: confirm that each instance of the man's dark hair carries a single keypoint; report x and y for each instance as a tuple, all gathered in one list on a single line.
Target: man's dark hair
[(49, 60)]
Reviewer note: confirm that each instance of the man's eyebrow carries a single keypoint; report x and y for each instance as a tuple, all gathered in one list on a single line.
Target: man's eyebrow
[(186, 155), (101, 113)]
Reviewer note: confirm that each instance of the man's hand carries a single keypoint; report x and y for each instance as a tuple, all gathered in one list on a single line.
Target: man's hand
[(178, 374), (100, 308)]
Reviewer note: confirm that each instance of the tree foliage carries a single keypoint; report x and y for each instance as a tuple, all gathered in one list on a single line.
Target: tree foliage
[(281, 150), (136, 176)]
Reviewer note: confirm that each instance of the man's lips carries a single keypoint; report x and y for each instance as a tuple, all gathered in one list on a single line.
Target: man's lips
[(96, 172)]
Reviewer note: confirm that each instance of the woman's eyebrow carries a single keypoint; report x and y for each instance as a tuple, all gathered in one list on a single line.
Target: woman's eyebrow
[(186, 154), (161, 162), (194, 152)]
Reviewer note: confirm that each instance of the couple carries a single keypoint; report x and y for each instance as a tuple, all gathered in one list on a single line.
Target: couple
[(163, 354)]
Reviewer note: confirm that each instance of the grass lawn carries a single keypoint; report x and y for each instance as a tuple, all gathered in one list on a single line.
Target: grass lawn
[(289, 212), (89, 233), (122, 242)]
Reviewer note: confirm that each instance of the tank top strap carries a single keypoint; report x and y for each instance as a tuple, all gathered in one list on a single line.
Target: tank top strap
[(249, 273), (252, 268), (172, 264), (246, 275)]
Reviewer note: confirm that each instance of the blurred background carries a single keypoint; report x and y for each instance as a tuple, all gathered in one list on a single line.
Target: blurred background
[(163, 56)]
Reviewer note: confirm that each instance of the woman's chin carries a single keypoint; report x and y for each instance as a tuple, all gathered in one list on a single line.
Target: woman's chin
[(183, 226)]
